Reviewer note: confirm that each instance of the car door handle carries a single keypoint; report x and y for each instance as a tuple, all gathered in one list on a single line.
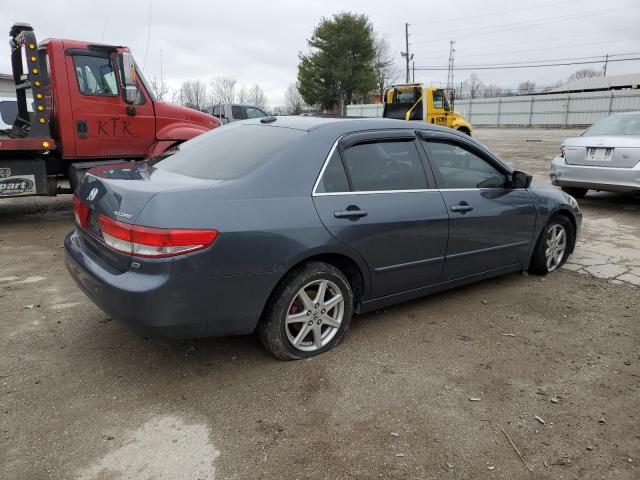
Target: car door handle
[(462, 207), (350, 213)]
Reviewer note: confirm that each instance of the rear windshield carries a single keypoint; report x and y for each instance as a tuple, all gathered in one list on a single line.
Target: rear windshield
[(616, 125), (229, 152)]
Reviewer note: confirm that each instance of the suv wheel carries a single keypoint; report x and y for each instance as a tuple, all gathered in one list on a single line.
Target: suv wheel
[(309, 313)]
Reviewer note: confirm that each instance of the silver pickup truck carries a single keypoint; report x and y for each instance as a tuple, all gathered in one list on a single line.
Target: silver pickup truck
[(228, 112)]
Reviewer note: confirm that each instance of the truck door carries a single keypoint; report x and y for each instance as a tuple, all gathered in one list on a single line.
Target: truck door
[(436, 107), (105, 125)]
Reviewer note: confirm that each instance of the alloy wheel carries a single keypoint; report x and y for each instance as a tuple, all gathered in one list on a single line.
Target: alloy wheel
[(556, 246), (314, 315)]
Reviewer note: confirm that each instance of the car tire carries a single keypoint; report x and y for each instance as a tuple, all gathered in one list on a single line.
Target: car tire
[(545, 247), (575, 192), (288, 312)]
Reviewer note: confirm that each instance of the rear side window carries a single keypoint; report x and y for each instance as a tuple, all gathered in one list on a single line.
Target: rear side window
[(381, 166), (229, 152), (460, 168), (334, 178), (238, 112), (95, 75)]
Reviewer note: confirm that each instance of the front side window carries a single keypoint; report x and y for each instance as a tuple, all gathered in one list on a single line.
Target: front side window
[(334, 178), (460, 168), (390, 165), (438, 99), (253, 112), (95, 75)]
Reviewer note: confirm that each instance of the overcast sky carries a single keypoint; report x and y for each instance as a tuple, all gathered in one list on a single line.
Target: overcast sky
[(258, 41)]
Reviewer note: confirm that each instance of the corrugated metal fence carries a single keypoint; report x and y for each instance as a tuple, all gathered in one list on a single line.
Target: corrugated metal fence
[(552, 110)]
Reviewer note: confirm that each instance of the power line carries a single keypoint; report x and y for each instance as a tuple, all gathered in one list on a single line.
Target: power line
[(504, 12), (559, 59), (498, 52), (504, 67), (520, 25)]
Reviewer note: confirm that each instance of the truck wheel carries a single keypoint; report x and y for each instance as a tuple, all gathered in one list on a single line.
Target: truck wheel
[(309, 313), (464, 130)]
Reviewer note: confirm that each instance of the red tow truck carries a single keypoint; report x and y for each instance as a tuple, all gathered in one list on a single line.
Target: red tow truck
[(90, 106)]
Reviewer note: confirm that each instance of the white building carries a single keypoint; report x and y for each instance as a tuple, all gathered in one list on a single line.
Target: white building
[(7, 87)]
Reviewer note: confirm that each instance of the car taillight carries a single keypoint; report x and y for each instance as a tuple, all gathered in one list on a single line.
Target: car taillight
[(153, 242), (81, 212)]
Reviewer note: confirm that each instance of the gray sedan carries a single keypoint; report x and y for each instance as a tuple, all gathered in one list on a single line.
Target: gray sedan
[(605, 157), (289, 226)]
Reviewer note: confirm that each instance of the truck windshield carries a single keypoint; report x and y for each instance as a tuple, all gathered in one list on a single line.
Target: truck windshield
[(229, 152)]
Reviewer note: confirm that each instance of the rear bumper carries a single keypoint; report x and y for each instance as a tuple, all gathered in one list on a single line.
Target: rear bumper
[(172, 303), (596, 178)]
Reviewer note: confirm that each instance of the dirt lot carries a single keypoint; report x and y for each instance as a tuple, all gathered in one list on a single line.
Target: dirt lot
[(83, 398)]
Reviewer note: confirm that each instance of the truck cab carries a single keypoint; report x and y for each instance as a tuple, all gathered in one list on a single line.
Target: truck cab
[(91, 105), (227, 112), (414, 101)]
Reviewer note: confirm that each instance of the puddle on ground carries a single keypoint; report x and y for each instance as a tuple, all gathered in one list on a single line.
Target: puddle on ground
[(164, 448)]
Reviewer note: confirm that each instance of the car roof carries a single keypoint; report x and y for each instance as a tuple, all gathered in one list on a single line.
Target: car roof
[(346, 124)]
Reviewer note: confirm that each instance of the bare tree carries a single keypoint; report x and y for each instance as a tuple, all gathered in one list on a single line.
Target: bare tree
[(473, 85), (492, 91), (194, 94), (553, 85), (159, 87), (280, 110), (584, 73), (527, 87), (384, 64), (257, 97), (223, 90), (242, 96), (293, 101)]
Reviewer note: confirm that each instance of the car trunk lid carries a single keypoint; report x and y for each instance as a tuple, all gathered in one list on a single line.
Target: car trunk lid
[(120, 192), (603, 151)]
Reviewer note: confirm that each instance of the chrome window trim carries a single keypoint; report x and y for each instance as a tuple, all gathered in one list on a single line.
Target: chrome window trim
[(324, 166), (315, 193)]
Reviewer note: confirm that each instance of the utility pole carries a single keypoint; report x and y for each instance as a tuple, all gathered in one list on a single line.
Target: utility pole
[(408, 57), (452, 51), (413, 73), (606, 60)]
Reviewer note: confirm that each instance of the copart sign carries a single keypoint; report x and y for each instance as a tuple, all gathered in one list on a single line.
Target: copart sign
[(17, 185)]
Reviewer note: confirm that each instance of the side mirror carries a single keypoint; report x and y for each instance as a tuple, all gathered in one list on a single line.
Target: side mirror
[(520, 179), (129, 77)]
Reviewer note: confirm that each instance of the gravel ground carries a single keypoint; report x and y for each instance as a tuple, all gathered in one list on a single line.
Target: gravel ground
[(428, 389)]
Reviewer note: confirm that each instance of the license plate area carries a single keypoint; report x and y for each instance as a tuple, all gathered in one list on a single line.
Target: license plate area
[(599, 154)]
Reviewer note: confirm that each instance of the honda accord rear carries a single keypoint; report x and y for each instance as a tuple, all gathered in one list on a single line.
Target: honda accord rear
[(167, 252)]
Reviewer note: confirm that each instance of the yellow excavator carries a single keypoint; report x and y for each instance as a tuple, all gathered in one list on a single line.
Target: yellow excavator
[(414, 101)]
